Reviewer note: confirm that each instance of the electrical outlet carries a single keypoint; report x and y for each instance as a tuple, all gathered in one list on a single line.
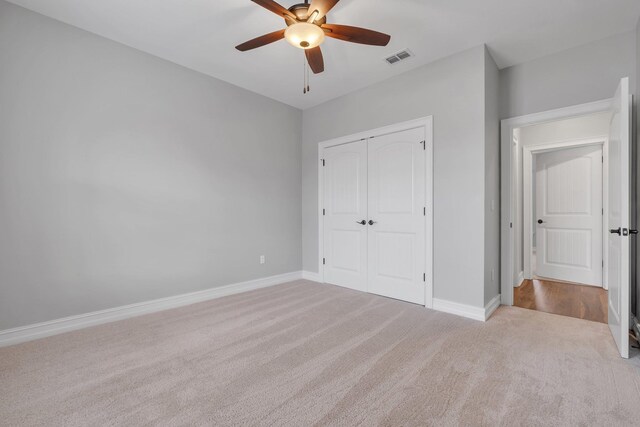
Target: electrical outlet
[(262, 259)]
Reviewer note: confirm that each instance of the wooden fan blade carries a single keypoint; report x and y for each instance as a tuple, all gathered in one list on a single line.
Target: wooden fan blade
[(315, 59), (356, 35), (275, 8), (261, 41), (322, 6)]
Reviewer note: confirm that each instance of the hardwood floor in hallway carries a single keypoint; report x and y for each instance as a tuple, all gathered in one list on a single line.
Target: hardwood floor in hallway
[(567, 299)]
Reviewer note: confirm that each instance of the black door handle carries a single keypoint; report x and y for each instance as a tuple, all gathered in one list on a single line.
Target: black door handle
[(363, 222), (371, 222), (632, 231), (540, 221), (617, 231)]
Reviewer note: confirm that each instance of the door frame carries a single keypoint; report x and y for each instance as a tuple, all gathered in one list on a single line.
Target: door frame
[(527, 196), (427, 124), (508, 221)]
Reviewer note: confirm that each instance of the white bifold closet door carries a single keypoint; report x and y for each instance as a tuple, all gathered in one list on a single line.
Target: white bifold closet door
[(396, 210), (374, 215), (345, 215)]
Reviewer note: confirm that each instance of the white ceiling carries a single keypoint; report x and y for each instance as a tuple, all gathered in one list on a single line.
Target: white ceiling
[(201, 35)]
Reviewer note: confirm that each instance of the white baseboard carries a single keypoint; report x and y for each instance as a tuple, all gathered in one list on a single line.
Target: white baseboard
[(519, 280), (492, 306), (309, 275), (58, 326), (468, 311)]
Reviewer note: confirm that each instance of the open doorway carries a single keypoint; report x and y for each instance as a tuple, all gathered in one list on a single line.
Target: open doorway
[(566, 218), (565, 201), (564, 206)]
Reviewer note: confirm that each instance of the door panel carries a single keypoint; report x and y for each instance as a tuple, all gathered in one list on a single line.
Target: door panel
[(395, 255), (619, 210), (345, 204), (394, 177), (569, 204), (396, 240)]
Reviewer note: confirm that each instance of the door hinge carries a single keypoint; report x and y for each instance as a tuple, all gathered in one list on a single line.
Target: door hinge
[(323, 212), (424, 277), (322, 162), (510, 225), (324, 261), (424, 211)]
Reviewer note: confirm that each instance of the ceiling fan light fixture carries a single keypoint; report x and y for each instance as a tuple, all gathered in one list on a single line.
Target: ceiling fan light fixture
[(304, 35)]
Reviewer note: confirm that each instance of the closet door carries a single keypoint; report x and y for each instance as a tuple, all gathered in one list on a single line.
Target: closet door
[(345, 215), (396, 238)]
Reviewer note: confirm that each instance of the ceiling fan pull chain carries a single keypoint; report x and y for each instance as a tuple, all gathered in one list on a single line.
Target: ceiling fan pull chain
[(304, 74), (307, 71)]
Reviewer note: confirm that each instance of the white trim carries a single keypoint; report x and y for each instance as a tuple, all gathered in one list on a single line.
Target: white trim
[(427, 123), (519, 280), (491, 307), (508, 207), (527, 197), (469, 311), (58, 326), (428, 253), (310, 275), (385, 130)]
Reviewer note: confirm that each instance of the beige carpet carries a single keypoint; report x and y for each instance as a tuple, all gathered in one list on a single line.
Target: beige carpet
[(303, 353)]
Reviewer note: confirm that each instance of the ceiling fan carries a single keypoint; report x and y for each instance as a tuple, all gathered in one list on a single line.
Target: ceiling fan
[(307, 27)]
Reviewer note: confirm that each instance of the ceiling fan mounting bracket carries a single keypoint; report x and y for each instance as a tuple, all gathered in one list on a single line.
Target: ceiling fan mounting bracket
[(301, 11)]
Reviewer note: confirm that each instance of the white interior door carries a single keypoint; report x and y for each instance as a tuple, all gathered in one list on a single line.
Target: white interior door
[(568, 218), (618, 221), (396, 241), (345, 214)]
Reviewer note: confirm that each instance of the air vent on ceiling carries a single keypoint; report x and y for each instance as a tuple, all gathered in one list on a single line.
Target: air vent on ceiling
[(400, 56)]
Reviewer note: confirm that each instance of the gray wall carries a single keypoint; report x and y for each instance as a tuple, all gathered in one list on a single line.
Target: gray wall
[(125, 178), (492, 180), (452, 90), (575, 76)]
